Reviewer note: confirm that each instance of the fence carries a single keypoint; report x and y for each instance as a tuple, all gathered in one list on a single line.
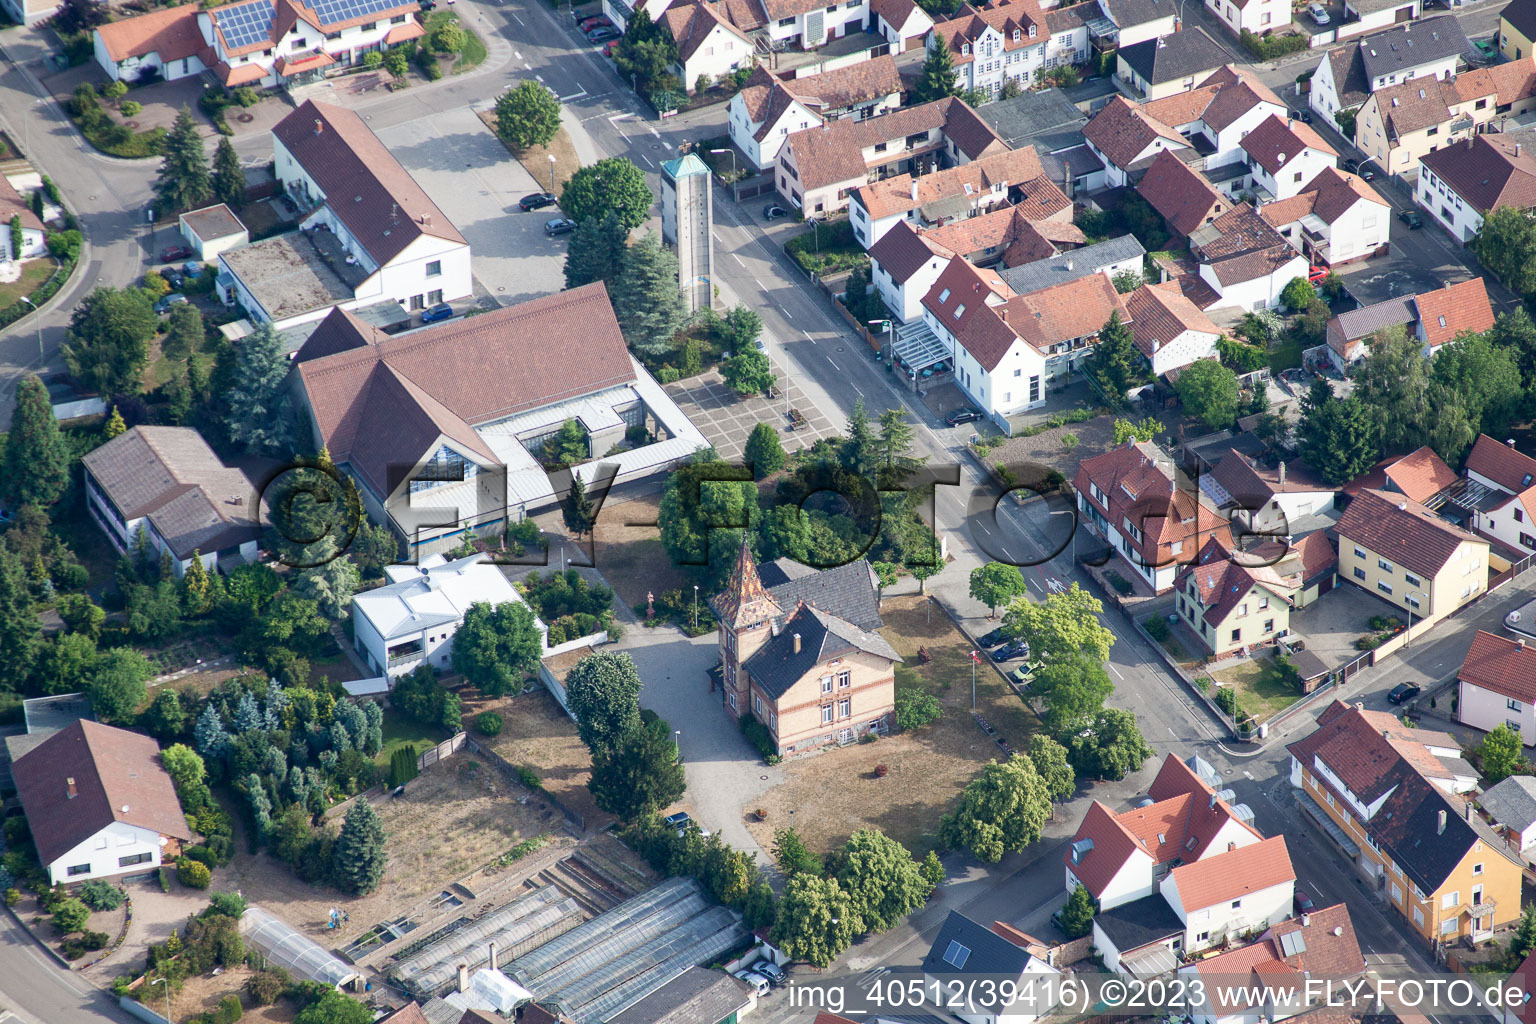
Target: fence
[(427, 757), (514, 776)]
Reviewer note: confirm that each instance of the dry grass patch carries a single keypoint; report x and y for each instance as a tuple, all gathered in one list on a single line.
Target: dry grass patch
[(828, 796), (202, 994), (535, 159), (631, 557), (538, 735)]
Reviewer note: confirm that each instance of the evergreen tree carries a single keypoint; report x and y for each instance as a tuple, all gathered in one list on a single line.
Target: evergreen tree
[(261, 806), (357, 860), (374, 741), (108, 344), (764, 452), (596, 251), (259, 416), (184, 183), (273, 707), (1113, 362), (1524, 940), (210, 736), (1336, 437), (22, 636), (197, 587), (115, 427), (646, 298), (247, 715), (330, 585), (1077, 915), (35, 470), (228, 176), (640, 775), (892, 450), (938, 76), (858, 446), (577, 509)]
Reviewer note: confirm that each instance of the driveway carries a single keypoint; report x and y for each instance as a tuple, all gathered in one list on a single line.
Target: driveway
[(472, 178), (727, 419), (725, 773), (1333, 622)]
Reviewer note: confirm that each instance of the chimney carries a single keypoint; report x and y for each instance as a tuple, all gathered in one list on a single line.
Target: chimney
[(1282, 473), (1402, 506), (1509, 442), (1440, 824), (1306, 920), (914, 190), (426, 219), (492, 952), (319, 126), (1359, 705), (1517, 149), (1520, 641), (71, 783), (1469, 810), (1069, 264), (1004, 314), (464, 968), (797, 643), (1231, 846)]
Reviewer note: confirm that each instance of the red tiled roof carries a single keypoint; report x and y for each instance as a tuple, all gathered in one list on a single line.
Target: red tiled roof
[(171, 32), (1113, 845), (1420, 474), (1488, 171), (1222, 582), (1363, 749), (834, 152), (1335, 192), (1505, 666), (903, 250), (1512, 470), (242, 75), (1064, 312), (1400, 529), (896, 194), (404, 33), (12, 205), (1138, 482), (1160, 313), (1180, 193), (691, 25), (117, 776), (1006, 232), (1233, 874), (1121, 131), (1329, 949), (1446, 312), (1277, 140), (1175, 778), (311, 62), (1018, 21)]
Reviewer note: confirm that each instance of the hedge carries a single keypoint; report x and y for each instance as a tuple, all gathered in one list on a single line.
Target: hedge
[(45, 291)]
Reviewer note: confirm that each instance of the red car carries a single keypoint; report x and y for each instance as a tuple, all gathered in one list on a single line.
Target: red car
[(174, 253), (1317, 274), (598, 21), (608, 47)]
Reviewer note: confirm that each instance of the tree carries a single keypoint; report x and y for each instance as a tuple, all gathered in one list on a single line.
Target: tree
[(330, 585), (739, 329), (613, 185), (1002, 810), (1065, 622), (1506, 245), (1298, 294), (1393, 384), (577, 509), (1209, 392), (1523, 941), (603, 692), (645, 54), (881, 879), (1074, 688), (165, 719), (1482, 381), (198, 587), (915, 708), (81, 615), (764, 452), (937, 79), (184, 183), (1114, 360), (497, 648), (1515, 333), (923, 572), (65, 665), (1077, 916), (1241, 358), (596, 251), (448, 38), (70, 915), (1500, 750), (527, 115), (1127, 281), (1050, 761), (1335, 437), (334, 1008), (646, 299), (1113, 746), (892, 449), (817, 920), (640, 775), (210, 736), (108, 344), (857, 449), (35, 470), (184, 766), (792, 855), (228, 176), (357, 860), (259, 418), (115, 427), (749, 372), (116, 688), (567, 446), (184, 335), (396, 63), (996, 583)]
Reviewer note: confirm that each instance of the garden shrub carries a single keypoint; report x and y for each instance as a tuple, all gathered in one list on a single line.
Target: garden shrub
[(193, 873), (264, 987), (230, 904), (488, 723), (101, 895), (528, 777), (758, 735), (402, 766), (1157, 628)]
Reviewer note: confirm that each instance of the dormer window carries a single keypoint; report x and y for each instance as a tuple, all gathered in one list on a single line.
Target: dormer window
[(965, 49), (1032, 31), (1016, 35)]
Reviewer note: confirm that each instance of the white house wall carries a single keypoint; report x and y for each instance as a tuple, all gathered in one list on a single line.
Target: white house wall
[(1255, 911), (1448, 209), (1188, 347), (104, 852), (796, 117), (1487, 710), (906, 300)]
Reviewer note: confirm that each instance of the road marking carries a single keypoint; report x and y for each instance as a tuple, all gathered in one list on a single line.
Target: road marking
[(1248, 775), (738, 260), (515, 18), (808, 335), (620, 116), (517, 55), (1115, 671), (574, 95), (839, 369), (647, 160), (789, 314), (1172, 733), (1031, 582), (716, 236)]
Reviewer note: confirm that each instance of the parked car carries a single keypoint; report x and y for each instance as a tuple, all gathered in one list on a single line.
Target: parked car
[(172, 277), (608, 47), (1483, 51), (1367, 171), (1304, 904), (1403, 692), (173, 299), (432, 314), (1023, 676), (596, 21), (992, 639), (773, 211), (174, 253), (1412, 219), (962, 415), (559, 226), (1319, 13), (191, 268), (678, 821), (770, 970), (1011, 651), (426, 5), (602, 34), (757, 981), (1316, 274), (1351, 165), (537, 201)]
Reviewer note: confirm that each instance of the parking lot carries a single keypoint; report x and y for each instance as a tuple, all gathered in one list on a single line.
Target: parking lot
[(726, 418), (1332, 623)]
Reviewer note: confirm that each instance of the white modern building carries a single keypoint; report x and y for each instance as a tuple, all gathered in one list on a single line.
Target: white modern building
[(1505, 508), (1461, 184)]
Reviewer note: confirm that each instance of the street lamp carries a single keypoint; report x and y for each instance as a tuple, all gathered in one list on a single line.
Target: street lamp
[(551, 174), (815, 233), (677, 741), (28, 300), (162, 981), (695, 606), (733, 161)]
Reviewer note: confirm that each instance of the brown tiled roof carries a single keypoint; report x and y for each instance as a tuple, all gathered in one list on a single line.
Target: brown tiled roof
[(171, 32), (404, 33), (1002, 232), (339, 331), (1510, 82), (1510, 469), (1335, 192), (1415, 104), (1348, 66), (1489, 171), (117, 777), (1288, 211), (1329, 949), (1241, 91), (1007, 169), (744, 601), (1233, 874), (1160, 313), (1277, 140), (834, 152), (1364, 748), (1505, 666), (377, 200), (895, 12), (1420, 474), (983, 333), (1222, 582), (1180, 193), (378, 406), (410, 1013), (691, 24), (754, 95), (1139, 482), (903, 250), (1121, 131), (1008, 17), (849, 85), (12, 205), (1076, 309), (1400, 529), (1065, 19), (1181, 107), (1446, 312), (1239, 246)]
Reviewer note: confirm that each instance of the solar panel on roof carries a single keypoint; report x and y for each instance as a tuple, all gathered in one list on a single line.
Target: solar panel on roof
[(333, 11), (246, 24)]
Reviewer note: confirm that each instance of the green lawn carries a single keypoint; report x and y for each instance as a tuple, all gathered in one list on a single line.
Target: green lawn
[(400, 731), (33, 274), (1260, 689), (474, 47), (1286, 355)]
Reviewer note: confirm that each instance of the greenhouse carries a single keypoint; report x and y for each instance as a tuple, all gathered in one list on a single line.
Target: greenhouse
[(524, 924), (529, 968), (284, 946)]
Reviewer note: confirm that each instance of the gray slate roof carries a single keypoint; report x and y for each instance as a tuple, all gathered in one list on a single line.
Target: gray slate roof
[(1367, 320), (1139, 922), (1125, 13), (697, 996), (1053, 270), (846, 591), (776, 666), (1177, 56), (1031, 115), (987, 951), (1411, 45), (1512, 802)]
